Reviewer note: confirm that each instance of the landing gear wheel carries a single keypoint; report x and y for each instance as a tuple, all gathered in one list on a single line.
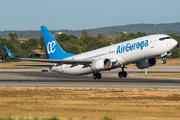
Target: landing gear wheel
[(96, 76), (120, 74), (163, 61), (124, 74)]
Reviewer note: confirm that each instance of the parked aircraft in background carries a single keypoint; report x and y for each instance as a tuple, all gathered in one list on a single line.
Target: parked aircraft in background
[(141, 51)]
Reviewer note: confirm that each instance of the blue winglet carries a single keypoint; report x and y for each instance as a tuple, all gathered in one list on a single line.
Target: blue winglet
[(54, 50), (9, 53)]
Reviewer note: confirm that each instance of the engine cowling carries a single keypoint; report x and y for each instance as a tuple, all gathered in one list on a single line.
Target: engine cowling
[(101, 64), (146, 63)]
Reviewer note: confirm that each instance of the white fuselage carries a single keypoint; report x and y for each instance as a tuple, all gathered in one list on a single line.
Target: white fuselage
[(123, 53)]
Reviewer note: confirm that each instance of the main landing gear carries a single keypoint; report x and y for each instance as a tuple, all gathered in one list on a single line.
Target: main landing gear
[(123, 73), (96, 76), (120, 74)]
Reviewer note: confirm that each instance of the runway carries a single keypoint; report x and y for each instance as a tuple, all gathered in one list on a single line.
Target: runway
[(54, 80)]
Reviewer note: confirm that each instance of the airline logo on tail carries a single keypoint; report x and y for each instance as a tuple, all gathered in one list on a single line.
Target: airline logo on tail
[(54, 50), (50, 47)]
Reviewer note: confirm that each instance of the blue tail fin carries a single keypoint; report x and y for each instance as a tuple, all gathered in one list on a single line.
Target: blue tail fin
[(53, 48), (9, 53)]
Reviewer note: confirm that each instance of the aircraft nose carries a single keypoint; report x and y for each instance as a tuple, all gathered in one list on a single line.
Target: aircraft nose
[(173, 43)]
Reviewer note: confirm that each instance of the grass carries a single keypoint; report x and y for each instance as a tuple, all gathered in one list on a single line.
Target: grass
[(106, 118), (36, 118), (9, 61), (88, 104), (22, 118), (8, 64)]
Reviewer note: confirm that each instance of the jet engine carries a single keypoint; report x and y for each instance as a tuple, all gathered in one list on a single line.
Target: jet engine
[(146, 63), (101, 64)]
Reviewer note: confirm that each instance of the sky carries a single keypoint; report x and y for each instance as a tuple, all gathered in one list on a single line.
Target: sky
[(84, 14)]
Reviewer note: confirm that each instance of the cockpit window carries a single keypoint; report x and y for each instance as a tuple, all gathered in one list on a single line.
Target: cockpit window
[(165, 38)]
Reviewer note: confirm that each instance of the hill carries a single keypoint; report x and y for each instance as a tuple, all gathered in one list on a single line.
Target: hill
[(168, 28)]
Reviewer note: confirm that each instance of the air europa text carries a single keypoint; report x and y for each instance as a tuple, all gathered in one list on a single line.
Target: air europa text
[(131, 46)]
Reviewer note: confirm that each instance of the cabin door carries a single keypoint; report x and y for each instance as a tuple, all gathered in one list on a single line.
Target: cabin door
[(151, 43)]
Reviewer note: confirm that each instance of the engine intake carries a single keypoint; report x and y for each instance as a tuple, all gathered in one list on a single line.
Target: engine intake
[(146, 63), (101, 64)]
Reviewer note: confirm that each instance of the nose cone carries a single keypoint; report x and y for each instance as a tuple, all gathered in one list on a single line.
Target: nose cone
[(173, 43)]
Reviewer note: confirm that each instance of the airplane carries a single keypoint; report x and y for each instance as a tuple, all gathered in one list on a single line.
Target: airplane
[(140, 51)]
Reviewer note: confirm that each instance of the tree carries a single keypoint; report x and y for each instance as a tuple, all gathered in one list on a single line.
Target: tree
[(73, 37), (87, 39), (24, 49), (43, 47), (62, 37), (74, 49), (32, 44), (139, 34), (2, 49), (84, 34), (100, 36), (13, 36), (117, 37), (176, 51), (93, 45), (132, 36), (29, 47)]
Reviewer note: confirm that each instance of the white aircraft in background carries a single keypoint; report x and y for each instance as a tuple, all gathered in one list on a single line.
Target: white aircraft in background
[(141, 51)]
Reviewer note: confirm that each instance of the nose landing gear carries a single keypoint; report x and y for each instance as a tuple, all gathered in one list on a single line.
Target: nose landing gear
[(163, 61), (164, 55)]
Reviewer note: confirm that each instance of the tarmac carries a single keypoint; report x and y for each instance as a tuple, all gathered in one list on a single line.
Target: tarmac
[(34, 77)]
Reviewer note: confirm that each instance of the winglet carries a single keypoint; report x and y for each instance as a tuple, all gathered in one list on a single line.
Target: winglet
[(9, 53)]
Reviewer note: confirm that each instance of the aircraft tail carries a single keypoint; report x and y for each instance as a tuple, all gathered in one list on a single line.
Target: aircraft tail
[(9, 53), (54, 50)]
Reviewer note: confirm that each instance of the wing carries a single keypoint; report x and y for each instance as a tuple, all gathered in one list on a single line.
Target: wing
[(55, 61), (59, 61), (39, 65), (48, 60)]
